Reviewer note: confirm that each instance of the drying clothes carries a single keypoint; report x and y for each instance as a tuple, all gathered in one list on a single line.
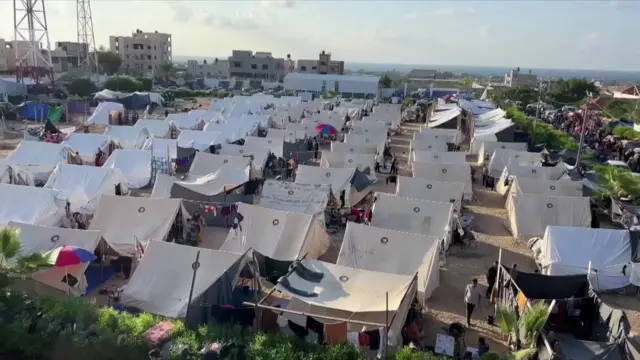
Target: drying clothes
[(374, 339), (363, 339), (317, 328), (335, 334), (522, 302), (353, 338)]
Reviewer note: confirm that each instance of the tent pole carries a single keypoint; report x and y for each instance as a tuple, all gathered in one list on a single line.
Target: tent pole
[(304, 313), (386, 328), (195, 265), (589, 273)]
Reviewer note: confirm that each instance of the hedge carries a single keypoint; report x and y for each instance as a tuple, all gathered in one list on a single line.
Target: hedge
[(54, 328), (541, 132)]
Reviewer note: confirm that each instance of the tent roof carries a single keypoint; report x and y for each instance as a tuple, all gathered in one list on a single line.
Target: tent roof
[(162, 281), (338, 178), (31, 205), (549, 287), (293, 197), (38, 153), (40, 239), (122, 220)]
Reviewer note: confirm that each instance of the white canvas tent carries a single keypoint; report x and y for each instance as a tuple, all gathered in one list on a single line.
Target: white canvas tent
[(199, 140), (393, 252), (413, 215), (440, 157), (453, 136), (82, 185), (129, 137), (125, 221), (162, 148), (100, 115), (184, 121), (485, 149), (212, 174), (14, 174), (135, 165), (30, 205), (379, 141), (445, 173), (429, 145), (87, 145), (286, 135), (512, 172), (298, 198), (162, 281), (359, 297), (157, 128), (338, 178), (547, 187), (528, 215), (339, 147), (502, 158), (259, 154), (40, 239), (568, 251), (431, 190), (280, 235), (348, 160), (275, 146), (39, 158)]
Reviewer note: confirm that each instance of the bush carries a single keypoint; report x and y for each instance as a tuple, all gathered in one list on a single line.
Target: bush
[(542, 133), (71, 329), (626, 132)]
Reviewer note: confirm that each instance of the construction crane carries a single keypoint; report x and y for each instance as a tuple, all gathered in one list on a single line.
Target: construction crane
[(30, 31), (88, 57)]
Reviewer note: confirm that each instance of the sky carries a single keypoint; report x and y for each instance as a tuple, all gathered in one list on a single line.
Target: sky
[(530, 34)]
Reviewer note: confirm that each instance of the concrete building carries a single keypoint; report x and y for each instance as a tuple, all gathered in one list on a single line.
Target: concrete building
[(323, 65), (142, 52), (61, 60), (218, 68), (346, 85), (516, 78), (245, 64)]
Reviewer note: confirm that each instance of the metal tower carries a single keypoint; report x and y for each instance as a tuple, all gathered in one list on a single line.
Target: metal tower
[(30, 30), (88, 56)]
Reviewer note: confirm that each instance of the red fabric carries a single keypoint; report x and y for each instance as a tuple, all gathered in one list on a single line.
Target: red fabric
[(364, 339), (356, 212)]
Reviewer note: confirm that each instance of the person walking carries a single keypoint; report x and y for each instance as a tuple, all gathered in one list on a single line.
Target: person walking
[(472, 297), (492, 274), (316, 147)]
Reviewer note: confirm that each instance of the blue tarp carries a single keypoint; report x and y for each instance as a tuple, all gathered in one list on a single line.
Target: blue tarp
[(478, 107), (35, 111)]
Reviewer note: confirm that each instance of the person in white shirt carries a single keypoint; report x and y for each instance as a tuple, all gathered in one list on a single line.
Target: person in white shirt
[(472, 297)]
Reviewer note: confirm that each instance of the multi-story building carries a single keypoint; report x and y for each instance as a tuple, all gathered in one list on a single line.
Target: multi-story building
[(516, 78), (74, 51), (218, 68), (142, 52), (61, 61), (259, 65), (322, 65)]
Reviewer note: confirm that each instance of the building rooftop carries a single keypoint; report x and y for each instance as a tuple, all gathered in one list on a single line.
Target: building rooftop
[(333, 77)]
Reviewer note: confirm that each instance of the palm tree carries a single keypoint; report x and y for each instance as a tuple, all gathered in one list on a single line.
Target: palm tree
[(524, 331), (11, 263), (617, 182), (167, 70)]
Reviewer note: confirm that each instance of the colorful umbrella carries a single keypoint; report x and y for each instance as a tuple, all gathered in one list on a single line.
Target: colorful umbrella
[(69, 256), (326, 129)]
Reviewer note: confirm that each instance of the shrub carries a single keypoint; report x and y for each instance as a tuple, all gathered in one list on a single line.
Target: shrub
[(541, 132)]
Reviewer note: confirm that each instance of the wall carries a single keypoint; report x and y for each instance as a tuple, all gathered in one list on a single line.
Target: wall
[(261, 65)]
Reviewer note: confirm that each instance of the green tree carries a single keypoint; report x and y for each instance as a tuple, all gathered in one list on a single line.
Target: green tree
[(571, 91), (145, 84), (108, 62), (617, 182), (12, 264), (467, 82), (522, 331), (385, 81), (82, 87), (166, 70), (122, 83)]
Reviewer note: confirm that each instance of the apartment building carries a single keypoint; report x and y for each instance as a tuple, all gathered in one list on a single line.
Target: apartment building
[(61, 60), (307, 66), (246, 64), (142, 52), (322, 65), (218, 68), (516, 78)]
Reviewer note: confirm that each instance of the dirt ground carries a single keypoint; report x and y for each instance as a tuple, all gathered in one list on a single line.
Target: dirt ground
[(446, 305)]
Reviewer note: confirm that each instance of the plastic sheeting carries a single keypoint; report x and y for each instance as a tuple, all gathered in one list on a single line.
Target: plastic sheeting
[(39, 158), (14, 174), (568, 251), (292, 197), (40, 239), (213, 174), (82, 185), (393, 252), (529, 215), (443, 117), (30, 205), (445, 173), (135, 166), (412, 215), (430, 190), (280, 235)]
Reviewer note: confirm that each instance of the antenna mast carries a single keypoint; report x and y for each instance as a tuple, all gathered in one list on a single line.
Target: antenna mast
[(30, 30), (88, 56)]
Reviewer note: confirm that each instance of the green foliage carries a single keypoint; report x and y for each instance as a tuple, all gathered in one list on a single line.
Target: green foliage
[(626, 132), (408, 102), (624, 109), (330, 95), (108, 62), (467, 82), (82, 88), (166, 70), (617, 182), (541, 132), (122, 83), (524, 330), (10, 263), (385, 81), (503, 96), (145, 84), (120, 335), (572, 91)]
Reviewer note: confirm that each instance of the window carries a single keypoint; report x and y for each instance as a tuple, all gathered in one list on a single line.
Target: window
[(155, 57), (336, 86), (323, 63), (154, 47), (148, 57), (150, 67), (148, 47), (314, 68), (265, 67), (208, 74), (254, 66), (237, 64), (303, 68)]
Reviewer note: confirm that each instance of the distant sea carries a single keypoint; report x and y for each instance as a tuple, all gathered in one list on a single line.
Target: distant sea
[(621, 77)]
